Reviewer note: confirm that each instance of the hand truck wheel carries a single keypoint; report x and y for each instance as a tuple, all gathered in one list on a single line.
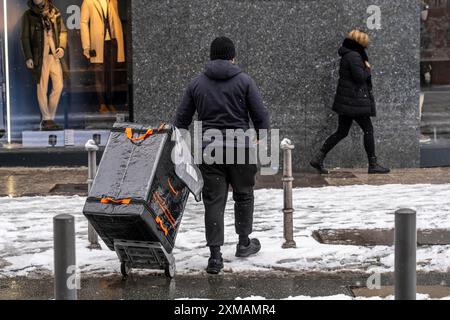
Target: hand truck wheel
[(169, 271), (125, 269)]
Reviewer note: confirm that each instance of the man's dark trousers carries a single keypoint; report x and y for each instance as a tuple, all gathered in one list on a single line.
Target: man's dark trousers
[(217, 180)]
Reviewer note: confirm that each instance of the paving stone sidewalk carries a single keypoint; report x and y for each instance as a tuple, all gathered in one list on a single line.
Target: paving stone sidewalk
[(18, 182)]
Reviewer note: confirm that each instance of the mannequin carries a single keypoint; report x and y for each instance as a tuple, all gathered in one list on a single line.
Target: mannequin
[(103, 46), (44, 40)]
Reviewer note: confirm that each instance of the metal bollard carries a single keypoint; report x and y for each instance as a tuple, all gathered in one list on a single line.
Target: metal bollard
[(64, 257), (92, 148), (405, 255), (287, 147)]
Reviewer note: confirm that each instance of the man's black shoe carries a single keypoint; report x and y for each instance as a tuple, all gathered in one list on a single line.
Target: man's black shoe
[(214, 266), (246, 251)]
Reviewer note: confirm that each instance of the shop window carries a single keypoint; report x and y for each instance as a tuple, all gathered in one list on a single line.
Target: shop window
[(435, 72), (63, 71)]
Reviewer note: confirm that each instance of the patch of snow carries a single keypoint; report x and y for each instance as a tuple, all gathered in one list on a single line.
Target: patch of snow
[(26, 231)]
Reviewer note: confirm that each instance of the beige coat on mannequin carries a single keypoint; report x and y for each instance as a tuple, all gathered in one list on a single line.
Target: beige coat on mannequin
[(93, 31)]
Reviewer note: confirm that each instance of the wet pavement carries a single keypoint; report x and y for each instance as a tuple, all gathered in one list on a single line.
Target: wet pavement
[(224, 287), (347, 177), (19, 182), (378, 237)]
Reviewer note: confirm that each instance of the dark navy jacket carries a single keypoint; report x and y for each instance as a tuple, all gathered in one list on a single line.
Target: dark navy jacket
[(224, 98)]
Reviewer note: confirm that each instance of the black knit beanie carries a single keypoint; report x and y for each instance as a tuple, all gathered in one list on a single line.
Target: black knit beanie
[(222, 48)]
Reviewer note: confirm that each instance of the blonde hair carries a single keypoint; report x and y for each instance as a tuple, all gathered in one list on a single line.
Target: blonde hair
[(360, 37)]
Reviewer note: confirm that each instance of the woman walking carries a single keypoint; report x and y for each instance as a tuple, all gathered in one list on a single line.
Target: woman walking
[(354, 101)]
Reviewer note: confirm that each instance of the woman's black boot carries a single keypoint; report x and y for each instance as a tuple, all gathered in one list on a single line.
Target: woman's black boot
[(317, 163), (375, 168)]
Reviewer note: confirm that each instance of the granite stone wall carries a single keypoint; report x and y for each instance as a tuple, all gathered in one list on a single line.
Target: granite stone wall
[(290, 48)]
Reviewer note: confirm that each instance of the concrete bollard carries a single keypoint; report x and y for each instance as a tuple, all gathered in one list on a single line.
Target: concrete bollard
[(288, 211), (92, 148), (64, 257), (405, 255)]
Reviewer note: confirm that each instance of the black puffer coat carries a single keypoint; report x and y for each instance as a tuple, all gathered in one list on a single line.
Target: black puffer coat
[(354, 96)]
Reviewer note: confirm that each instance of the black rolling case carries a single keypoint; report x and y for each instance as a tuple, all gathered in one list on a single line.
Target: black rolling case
[(137, 199)]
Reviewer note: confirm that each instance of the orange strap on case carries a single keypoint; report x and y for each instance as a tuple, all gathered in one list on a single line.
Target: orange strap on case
[(175, 192), (129, 133), (161, 126), (116, 201), (164, 209), (150, 132), (161, 224)]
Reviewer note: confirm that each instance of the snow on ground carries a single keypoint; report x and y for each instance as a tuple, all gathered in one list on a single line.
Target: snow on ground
[(26, 231)]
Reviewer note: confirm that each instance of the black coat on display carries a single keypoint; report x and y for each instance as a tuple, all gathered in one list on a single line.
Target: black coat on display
[(32, 37), (354, 96)]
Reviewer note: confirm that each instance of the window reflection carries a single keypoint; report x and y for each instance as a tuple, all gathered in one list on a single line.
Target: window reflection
[(68, 71), (435, 72)]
